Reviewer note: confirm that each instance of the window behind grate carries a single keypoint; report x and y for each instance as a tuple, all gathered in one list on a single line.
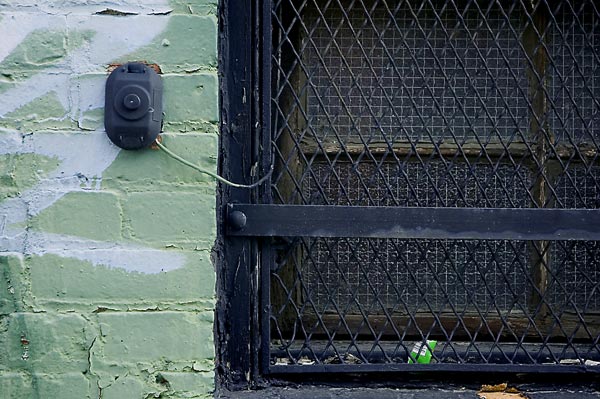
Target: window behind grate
[(381, 72), (386, 185), (436, 104)]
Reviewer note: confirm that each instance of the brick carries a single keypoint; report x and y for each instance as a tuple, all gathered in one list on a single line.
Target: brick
[(173, 50), (124, 388), (165, 218), (63, 386), (19, 172), (59, 283), (190, 98), (115, 37), (94, 215), (89, 108), (6, 85), (43, 113), (187, 383), (46, 343), (144, 170), (151, 336), (38, 50), (46, 47), (12, 284), (91, 120), (199, 7)]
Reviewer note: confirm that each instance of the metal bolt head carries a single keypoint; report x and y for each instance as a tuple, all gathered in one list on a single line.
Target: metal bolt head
[(237, 220)]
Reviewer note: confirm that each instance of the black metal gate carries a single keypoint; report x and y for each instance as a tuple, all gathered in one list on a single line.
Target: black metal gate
[(433, 202)]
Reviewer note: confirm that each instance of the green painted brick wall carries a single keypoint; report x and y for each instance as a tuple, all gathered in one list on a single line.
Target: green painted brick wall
[(107, 288)]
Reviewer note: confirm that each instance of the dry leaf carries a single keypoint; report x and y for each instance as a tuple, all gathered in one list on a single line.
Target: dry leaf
[(494, 388), (499, 391), (500, 395)]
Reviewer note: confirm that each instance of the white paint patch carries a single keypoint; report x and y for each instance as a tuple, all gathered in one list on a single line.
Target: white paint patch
[(11, 142), (15, 28), (132, 258), (83, 157)]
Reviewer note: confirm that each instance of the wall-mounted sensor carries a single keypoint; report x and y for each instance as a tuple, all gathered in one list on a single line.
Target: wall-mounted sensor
[(133, 106)]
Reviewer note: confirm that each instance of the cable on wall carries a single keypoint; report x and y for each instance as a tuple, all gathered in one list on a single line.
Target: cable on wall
[(212, 174)]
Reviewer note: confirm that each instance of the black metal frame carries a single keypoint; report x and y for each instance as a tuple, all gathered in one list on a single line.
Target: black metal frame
[(236, 308), (245, 153), (248, 219)]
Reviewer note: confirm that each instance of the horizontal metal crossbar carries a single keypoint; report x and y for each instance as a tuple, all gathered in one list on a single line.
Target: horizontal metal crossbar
[(436, 367), (405, 222)]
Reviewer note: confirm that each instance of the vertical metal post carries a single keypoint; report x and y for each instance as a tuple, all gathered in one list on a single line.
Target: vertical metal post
[(234, 285)]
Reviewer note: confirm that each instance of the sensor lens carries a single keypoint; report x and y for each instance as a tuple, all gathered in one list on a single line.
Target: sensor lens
[(132, 101)]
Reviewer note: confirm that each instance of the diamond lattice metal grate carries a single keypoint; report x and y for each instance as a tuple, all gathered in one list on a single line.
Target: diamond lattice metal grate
[(435, 104)]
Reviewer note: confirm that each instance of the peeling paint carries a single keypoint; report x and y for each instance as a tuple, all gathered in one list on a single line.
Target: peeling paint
[(115, 13), (129, 257)]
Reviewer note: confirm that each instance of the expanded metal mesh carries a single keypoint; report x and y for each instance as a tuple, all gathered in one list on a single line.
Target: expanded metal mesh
[(436, 104)]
